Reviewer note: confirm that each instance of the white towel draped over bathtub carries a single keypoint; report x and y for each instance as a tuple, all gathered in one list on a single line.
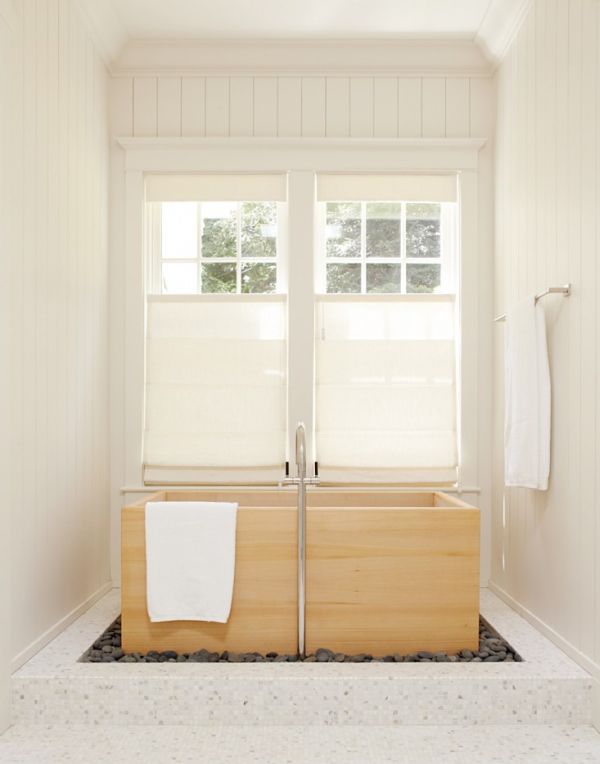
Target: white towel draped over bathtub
[(527, 398), (190, 560)]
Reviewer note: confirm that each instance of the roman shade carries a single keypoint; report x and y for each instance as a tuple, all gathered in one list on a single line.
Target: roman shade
[(215, 387), (386, 387)]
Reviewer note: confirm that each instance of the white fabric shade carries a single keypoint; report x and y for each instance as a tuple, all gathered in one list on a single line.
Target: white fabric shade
[(216, 188), (389, 188), (215, 383), (386, 390)]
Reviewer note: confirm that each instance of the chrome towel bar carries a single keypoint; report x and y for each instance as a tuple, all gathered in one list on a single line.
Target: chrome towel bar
[(564, 290)]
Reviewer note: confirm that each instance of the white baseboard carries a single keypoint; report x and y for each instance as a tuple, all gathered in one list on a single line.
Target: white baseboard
[(61, 625), (573, 652)]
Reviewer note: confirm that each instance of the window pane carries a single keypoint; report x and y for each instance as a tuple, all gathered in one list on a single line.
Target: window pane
[(422, 278), (343, 278), (343, 229), (179, 230), (383, 229), (219, 229), (383, 278), (218, 277), (259, 229), (179, 278), (259, 278), (423, 230)]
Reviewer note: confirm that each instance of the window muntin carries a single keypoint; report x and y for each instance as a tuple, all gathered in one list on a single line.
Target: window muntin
[(214, 247), (388, 247)]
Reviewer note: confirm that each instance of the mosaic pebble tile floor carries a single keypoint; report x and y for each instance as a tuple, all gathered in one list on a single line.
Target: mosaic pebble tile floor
[(530, 744)]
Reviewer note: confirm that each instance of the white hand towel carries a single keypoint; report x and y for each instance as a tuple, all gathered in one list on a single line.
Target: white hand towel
[(527, 398), (190, 560)]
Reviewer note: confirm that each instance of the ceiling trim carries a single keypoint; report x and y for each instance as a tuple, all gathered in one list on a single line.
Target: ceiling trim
[(425, 57), (500, 26), (106, 28)]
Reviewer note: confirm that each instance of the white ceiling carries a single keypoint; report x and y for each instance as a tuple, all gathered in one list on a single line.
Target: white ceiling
[(299, 19)]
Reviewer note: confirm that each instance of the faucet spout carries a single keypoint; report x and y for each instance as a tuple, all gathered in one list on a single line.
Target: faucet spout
[(301, 450)]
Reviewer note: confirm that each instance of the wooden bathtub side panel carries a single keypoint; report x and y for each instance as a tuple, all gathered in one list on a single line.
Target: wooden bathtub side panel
[(382, 580), (263, 615)]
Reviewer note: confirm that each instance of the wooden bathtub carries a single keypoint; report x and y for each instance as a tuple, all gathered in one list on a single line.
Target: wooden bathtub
[(386, 571)]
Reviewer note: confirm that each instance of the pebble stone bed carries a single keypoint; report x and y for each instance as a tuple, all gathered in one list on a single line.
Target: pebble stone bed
[(107, 649)]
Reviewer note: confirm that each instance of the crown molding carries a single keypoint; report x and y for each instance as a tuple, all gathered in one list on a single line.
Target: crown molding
[(105, 27), (500, 26), (414, 57)]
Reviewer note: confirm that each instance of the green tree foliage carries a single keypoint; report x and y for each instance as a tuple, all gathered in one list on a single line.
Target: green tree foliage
[(343, 229), (383, 229), (218, 278), (259, 220), (422, 230), (422, 278), (259, 278)]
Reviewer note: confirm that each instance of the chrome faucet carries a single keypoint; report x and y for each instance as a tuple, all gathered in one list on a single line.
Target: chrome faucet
[(301, 481)]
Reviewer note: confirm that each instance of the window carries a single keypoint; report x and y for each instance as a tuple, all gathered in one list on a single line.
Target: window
[(385, 401), (215, 247), (387, 247), (376, 382), (216, 329)]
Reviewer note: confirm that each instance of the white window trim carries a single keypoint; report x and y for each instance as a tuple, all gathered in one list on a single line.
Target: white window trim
[(308, 157)]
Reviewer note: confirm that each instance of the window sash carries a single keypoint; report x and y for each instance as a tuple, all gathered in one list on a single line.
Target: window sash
[(156, 261), (446, 260)]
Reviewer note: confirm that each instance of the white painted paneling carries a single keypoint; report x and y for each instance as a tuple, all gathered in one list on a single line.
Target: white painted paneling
[(410, 93), (169, 106), (265, 107), (217, 106), (546, 546), (289, 107), (58, 356), (433, 107), (361, 107), (241, 101), (457, 107), (338, 107), (193, 106), (385, 107), (313, 107), (145, 106)]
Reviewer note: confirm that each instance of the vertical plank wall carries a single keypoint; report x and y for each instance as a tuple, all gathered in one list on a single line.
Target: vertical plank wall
[(295, 107), (546, 546), (58, 281), (285, 106), (7, 63)]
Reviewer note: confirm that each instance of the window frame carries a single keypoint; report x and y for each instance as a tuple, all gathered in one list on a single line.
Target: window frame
[(448, 249), (142, 157), (156, 260)]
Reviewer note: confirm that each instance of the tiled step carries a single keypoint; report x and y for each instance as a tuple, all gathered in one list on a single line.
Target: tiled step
[(547, 688), (526, 744)]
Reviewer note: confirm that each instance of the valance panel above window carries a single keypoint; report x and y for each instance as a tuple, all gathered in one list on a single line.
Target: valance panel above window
[(216, 188), (365, 188)]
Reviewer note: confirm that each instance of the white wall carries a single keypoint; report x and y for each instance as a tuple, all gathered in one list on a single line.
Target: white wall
[(57, 281), (546, 546), (6, 208), (398, 104)]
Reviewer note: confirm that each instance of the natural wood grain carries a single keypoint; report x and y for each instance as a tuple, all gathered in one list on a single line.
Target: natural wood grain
[(263, 614)]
